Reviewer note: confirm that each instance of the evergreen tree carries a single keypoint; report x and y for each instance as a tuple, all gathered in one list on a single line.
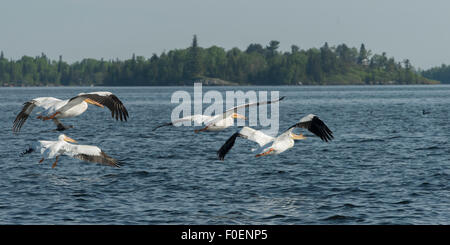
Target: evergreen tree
[(272, 48), (294, 49), (193, 66), (328, 59), (254, 47), (313, 67), (363, 54)]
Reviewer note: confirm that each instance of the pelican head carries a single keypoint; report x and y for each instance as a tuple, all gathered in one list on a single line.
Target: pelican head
[(64, 137), (238, 116), (297, 136)]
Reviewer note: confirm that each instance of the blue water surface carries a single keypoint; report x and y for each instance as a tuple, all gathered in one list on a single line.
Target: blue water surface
[(388, 164)]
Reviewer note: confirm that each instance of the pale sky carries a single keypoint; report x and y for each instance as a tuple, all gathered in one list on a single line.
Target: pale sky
[(109, 29)]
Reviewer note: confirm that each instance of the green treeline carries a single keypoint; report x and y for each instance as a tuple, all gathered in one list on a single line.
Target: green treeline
[(258, 64), (441, 73)]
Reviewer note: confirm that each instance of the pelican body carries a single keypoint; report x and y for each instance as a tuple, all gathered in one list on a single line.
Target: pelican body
[(269, 145), (214, 123), (63, 146), (218, 122), (55, 109)]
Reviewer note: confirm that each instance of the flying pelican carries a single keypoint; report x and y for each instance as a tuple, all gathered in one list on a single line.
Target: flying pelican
[(218, 122), (57, 109), (87, 153), (269, 145)]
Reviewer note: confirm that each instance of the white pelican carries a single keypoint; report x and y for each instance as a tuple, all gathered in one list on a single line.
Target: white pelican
[(269, 145), (87, 153), (57, 109), (218, 122)]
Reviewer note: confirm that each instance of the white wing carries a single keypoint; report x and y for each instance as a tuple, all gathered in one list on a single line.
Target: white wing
[(88, 153), (197, 118), (49, 149), (246, 133), (229, 112), (49, 104), (100, 93), (255, 136), (44, 144), (73, 150), (107, 99)]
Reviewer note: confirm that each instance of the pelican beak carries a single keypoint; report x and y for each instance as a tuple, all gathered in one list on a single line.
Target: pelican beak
[(298, 136), (238, 116), (68, 139), (93, 102)]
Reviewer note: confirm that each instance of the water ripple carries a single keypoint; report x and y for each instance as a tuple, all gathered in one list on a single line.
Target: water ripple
[(388, 163)]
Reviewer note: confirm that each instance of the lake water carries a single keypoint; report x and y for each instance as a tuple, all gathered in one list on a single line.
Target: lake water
[(388, 163)]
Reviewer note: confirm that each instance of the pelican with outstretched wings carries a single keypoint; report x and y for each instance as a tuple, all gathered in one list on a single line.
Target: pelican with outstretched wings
[(87, 153), (269, 145), (56, 109), (218, 122)]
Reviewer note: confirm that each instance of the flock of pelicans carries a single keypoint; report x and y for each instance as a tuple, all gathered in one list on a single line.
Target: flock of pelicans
[(55, 109)]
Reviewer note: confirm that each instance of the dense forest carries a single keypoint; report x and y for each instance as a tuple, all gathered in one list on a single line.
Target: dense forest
[(258, 64), (441, 73)]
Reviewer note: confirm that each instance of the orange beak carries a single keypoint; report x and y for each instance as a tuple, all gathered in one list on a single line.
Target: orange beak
[(238, 116), (68, 139), (92, 102), (298, 136)]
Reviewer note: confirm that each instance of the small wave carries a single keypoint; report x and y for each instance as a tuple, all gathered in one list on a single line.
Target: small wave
[(271, 173), (349, 205), (440, 175), (79, 199), (394, 137), (111, 175), (427, 148), (338, 217), (349, 189), (424, 184), (234, 213), (403, 202), (370, 140), (141, 173), (170, 156), (325, 207), (276, 216), (80, 195)]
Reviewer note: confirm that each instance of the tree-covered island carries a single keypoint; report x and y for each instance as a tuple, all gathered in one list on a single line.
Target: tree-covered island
[(439, 73), (257, 65)]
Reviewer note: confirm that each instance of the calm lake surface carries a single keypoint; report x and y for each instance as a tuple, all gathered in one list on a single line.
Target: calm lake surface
[(388, 164)]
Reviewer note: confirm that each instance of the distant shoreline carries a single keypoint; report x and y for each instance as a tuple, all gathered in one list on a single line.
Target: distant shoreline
[(239, 85), (258, 65)]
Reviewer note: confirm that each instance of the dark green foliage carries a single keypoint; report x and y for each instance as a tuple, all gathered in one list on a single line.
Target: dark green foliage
[(256, 65), (193, 66), (440, 73)]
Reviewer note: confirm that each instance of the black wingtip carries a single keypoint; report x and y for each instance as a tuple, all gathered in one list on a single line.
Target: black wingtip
[(322, 129), (116, 164), (227, 146), (28, 151), (162, 125)]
